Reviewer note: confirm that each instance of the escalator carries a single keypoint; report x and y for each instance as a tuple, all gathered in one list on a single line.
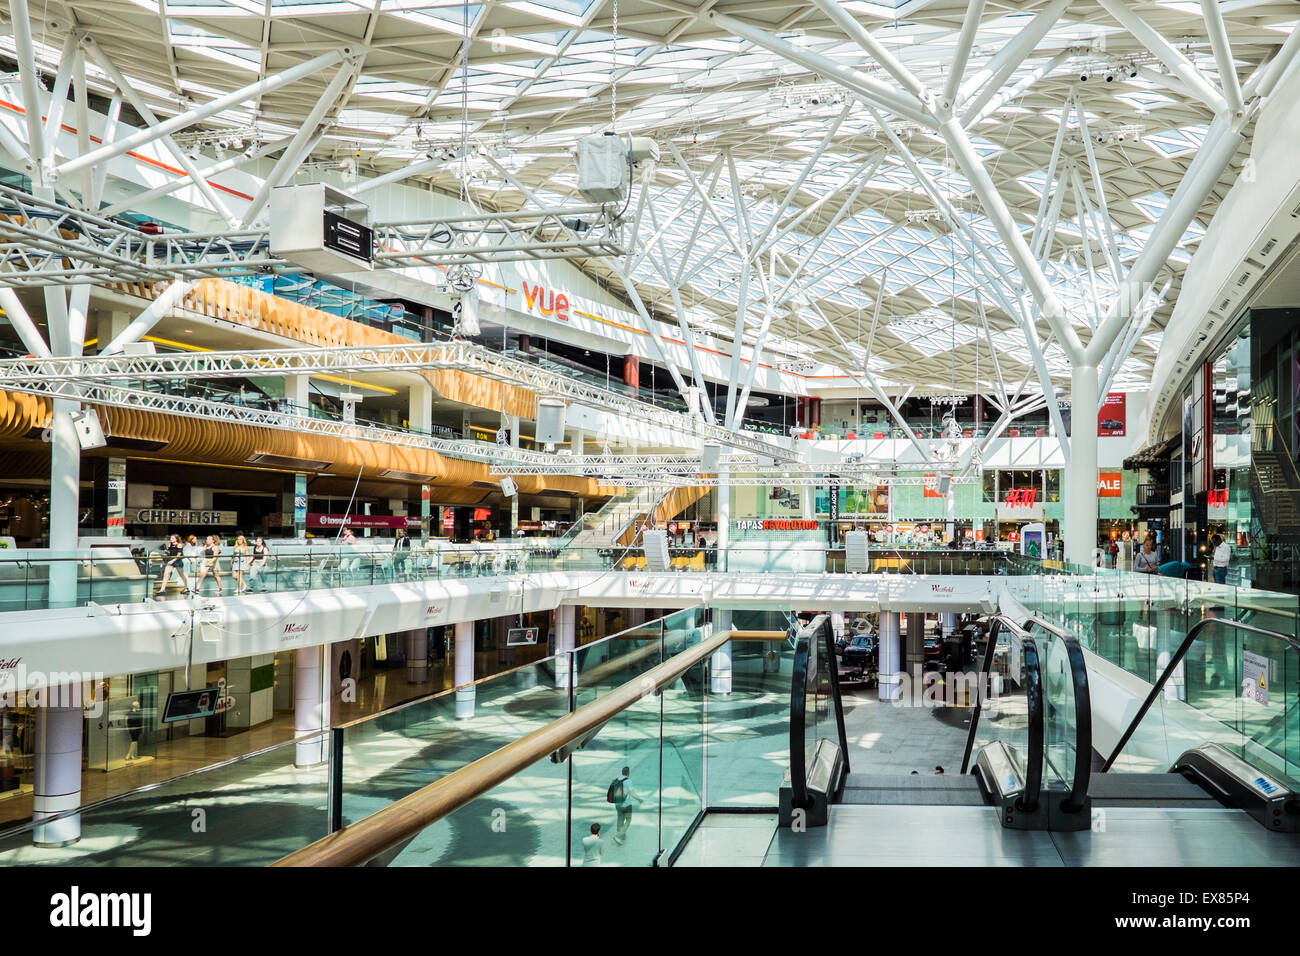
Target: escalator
[(1234, 770), (1030, 760)]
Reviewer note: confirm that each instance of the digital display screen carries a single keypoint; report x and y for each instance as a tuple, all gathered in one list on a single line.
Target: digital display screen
[(191, 704)]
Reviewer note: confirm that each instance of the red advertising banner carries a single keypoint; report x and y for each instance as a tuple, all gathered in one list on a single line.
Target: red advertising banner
[(449, 520), (1113, 416), (1110, 484), (315, 520)]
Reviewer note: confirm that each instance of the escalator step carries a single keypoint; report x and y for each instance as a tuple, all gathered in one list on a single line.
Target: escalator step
[(1146, 789), (952, 790)]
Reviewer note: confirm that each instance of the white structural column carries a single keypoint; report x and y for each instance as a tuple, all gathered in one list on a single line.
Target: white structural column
[(566, 639), (419, 412), (57, 786), (311, 705), (1081, 472), (890, 656), (720, 662), (417, 655), (65, 503), (464, 654), (915, 644)]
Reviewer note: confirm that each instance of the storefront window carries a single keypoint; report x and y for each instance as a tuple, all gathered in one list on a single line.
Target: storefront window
[(990, 486), (1052, 485)]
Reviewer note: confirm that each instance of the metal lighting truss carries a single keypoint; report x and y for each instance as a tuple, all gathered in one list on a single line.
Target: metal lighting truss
[(122, 396), (38, 376), (44, 242)]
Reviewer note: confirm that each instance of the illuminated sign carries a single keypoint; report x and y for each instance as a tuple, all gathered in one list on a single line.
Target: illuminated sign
[(776, 524), (1110, 484), (547, 303), (1021, 498), (1216, 497)]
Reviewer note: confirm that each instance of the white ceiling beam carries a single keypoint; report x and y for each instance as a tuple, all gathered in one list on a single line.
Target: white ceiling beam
[(957, 65), (985, 82), (860, 84), (137, 102), (1154, 41), (1222, 54), (212, 107)]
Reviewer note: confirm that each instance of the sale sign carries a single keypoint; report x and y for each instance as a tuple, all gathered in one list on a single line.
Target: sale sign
[(1113, 417), (1110, 484)]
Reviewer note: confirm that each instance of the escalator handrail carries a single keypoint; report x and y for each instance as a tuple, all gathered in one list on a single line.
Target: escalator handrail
[(1082, 722), (1034, 706), (805, 640), (798, 721), (985, 670), (831, 664), (1033, 683), (1192, 635)]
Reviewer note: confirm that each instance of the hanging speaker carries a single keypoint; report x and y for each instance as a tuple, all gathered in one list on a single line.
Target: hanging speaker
[(550, 421), (945, 482), (508, 487), (709, 459), (89, 432)]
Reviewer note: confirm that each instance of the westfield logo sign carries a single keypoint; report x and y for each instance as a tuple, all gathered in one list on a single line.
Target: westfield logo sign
[(548, 302)]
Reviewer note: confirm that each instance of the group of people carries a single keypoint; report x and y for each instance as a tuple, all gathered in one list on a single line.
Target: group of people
[(190, 563)]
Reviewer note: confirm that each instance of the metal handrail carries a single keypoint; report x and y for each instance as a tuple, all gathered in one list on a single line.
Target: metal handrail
[(1177, 659), (401, 821), (1033, 701)]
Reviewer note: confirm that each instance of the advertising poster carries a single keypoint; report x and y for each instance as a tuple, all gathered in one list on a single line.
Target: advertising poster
[(1113, 417), (1110, 484), (870, 501)]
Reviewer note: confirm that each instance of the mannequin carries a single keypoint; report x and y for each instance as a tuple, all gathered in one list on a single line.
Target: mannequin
[(134, 722)]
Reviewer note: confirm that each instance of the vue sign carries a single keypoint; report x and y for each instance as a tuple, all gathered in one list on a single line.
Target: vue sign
[(546, 302)]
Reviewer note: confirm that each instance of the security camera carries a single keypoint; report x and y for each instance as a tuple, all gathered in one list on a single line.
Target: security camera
[(1110, 76), (1132, 70), (1083, 77)]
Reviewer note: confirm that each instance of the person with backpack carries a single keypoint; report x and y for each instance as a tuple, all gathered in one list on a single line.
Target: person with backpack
[(622, 795)]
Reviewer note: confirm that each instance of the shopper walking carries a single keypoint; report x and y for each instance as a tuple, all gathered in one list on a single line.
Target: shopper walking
[(239, 561), (172, 565), (257, 564), (401, 551), (1222, 558), (623, 796), (211, 564), (193, 557)]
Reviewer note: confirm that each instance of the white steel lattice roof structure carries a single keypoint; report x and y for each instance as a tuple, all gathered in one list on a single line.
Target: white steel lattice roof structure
[(776, 184)]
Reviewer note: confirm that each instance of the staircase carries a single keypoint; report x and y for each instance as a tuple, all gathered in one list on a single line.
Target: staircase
[(1274, 483), (619, 521)]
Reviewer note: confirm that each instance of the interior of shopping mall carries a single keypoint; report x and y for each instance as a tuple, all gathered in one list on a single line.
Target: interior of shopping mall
[(649, 434)]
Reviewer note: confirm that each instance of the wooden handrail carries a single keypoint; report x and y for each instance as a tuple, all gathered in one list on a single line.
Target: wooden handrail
[(401, 821)]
